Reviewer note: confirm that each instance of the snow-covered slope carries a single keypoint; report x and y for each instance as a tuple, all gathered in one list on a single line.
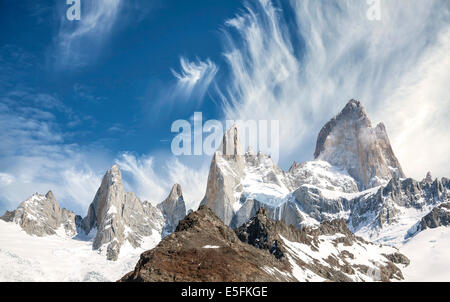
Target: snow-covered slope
[(59, 258), (429, 255), (41, 215), (326, 252), (116, 219)]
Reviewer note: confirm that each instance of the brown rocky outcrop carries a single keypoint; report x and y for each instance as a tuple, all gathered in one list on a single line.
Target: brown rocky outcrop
[(203, 248)]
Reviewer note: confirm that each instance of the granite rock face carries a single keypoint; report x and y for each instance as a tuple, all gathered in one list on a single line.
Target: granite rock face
[(117, 216), (225, 174), (173, 209), (348, 141), (42, 216)]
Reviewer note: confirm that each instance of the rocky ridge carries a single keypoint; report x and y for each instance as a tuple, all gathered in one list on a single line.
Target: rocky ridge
[(203, 248), (115, 218), (313, 192)]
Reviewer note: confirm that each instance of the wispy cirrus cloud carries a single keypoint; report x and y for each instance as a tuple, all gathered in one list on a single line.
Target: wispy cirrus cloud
[(36, 150), (194, 78), (35, 157), (152, 177), (78, 42), (304, 70)]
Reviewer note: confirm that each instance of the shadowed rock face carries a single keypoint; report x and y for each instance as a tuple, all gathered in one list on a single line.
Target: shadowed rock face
[(173, 208), (439, 216), (348, 141), (351, 158), (203, 248), (41, 216)]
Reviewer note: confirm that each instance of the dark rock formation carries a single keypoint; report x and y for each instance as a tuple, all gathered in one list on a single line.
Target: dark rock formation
[(439, 216), (203, 249)]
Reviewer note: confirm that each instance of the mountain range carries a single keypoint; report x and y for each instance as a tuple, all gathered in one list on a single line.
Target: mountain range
[(344, 216)]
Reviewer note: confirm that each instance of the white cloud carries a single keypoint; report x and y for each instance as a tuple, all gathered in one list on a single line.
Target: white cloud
[(35, 157), (194, 79), (144, 181), (152, 178), (6, 179), (79, 41), (192, 178), (303, 72)]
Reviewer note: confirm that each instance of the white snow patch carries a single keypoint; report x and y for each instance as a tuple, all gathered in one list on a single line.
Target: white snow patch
[(428, 253), (211, 247)]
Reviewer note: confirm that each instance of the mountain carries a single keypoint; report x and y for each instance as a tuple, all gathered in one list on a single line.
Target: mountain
[(349, 142), (355, 177), (41, 216), (328, 219), (439, 216), (115, 218), (173, 209), (203, 248), (393, 213), (225, 175), (118, 217)]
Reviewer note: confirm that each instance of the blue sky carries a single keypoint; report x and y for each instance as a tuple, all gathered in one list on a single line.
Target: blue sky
[(79, 96)]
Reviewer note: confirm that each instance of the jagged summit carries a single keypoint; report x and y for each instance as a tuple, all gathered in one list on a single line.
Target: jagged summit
[(349, 142), (115, 217), (428, 178), (173, 208), (119, 217), (41, 215), (231, 142)]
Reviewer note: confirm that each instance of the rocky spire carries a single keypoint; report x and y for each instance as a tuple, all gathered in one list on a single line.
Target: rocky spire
[(173, 208), (225, 173), (293, 167), (231, 143), (349, 142), (429, 177), (118, 216)]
